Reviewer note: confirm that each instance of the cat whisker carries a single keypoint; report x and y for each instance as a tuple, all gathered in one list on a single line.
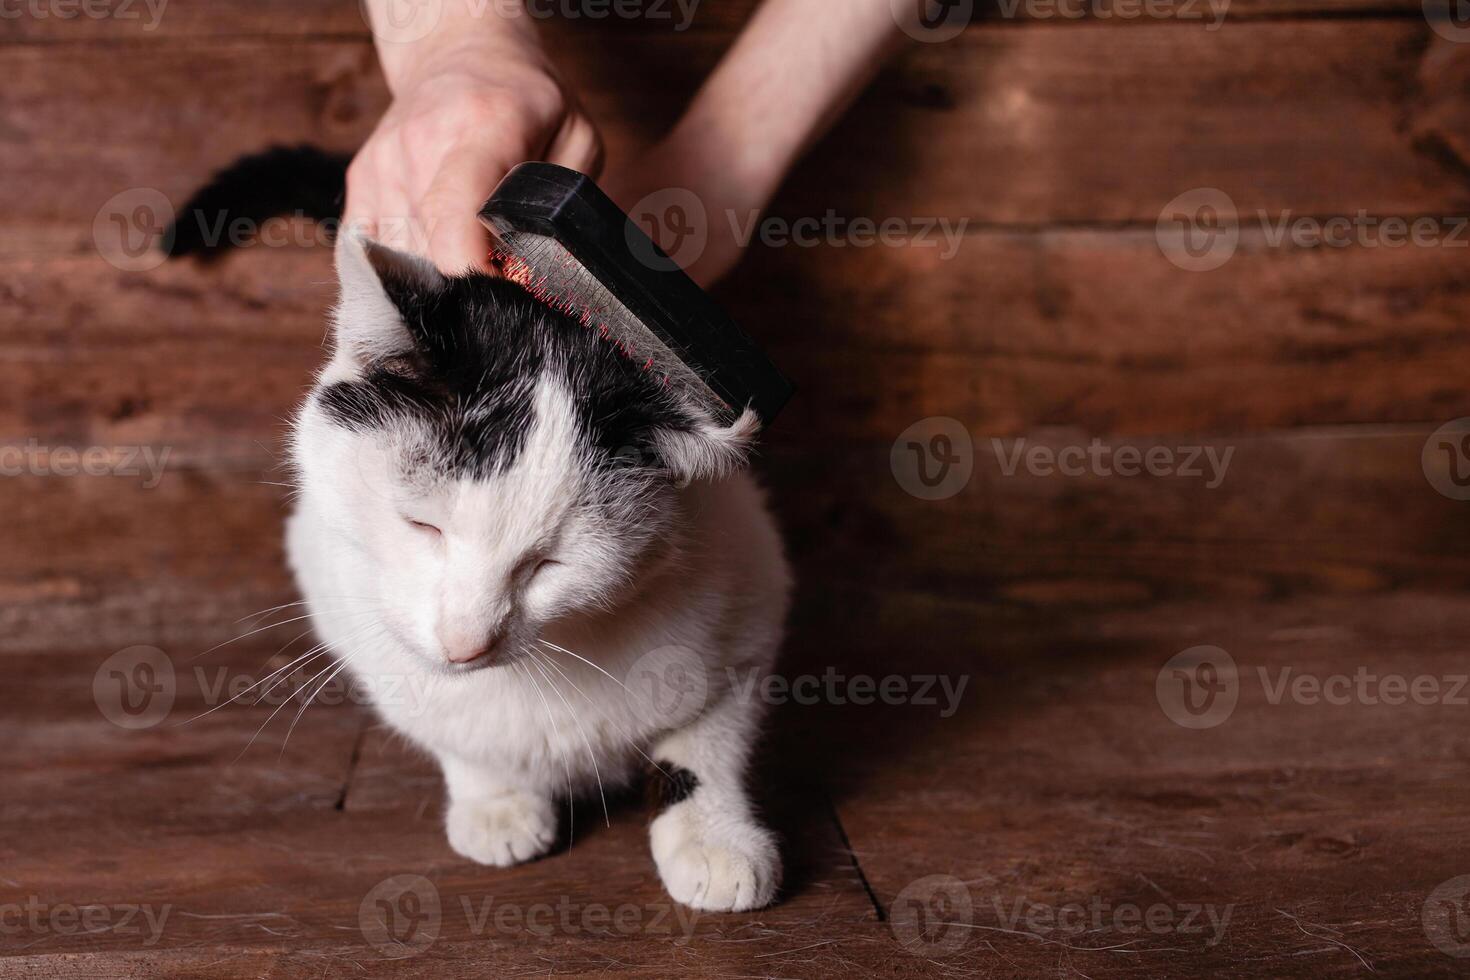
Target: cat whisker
[(271, 626), (278, 673), (300, 602), (341, 666), (632, 744), (312, 654), (266, 723), (587, 662), (571, 805), (536, 662), (244, 636)]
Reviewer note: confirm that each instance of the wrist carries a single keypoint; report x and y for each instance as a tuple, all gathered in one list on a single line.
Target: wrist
[(494, 36)]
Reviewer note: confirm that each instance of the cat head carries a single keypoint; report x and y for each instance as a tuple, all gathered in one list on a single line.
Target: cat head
[(494, 463)]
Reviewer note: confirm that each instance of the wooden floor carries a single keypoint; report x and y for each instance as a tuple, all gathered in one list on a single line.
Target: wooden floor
[(1060, 820), (1073, 827)]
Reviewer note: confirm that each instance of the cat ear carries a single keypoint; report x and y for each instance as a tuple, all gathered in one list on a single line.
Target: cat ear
[(706, 450), (377, 285)]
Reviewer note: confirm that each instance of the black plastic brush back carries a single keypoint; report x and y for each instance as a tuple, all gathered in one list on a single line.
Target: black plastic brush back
[(568, 207)]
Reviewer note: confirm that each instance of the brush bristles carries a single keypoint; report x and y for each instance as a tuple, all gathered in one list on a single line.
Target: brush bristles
[(555, 277)]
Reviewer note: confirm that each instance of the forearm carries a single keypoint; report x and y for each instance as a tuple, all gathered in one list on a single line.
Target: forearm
[(439, 35), (791, 73)]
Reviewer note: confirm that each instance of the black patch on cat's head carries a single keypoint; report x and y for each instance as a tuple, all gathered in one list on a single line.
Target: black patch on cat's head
[(476, 347)]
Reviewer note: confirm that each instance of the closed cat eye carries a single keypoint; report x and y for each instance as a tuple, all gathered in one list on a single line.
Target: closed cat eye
[(532, 567), (423, 526)]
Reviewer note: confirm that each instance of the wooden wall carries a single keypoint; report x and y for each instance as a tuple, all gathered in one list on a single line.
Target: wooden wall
[(1059, 319)]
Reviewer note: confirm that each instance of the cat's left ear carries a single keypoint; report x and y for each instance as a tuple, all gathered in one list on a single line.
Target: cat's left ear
[(380, 290), (706, 450)]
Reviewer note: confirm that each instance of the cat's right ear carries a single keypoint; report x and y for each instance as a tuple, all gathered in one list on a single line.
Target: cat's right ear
[(379, 288)]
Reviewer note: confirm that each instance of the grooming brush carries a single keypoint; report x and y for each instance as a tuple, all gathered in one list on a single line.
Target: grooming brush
[(563, 239)]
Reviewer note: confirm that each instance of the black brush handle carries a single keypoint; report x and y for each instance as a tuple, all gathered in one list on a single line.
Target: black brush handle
[(562, 204)]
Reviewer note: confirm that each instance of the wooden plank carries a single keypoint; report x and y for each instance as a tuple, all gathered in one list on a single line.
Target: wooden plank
[(1320, 830), (1323, 828), (1070, 125), (255, 858), (133, 20), (1094, 330), (1337, 512), (172, 566), (1330, 511)]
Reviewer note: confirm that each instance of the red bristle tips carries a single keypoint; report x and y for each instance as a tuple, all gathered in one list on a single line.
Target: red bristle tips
[(514, 268)]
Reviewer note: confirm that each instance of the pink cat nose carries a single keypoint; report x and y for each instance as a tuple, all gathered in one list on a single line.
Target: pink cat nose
[(462, 648)]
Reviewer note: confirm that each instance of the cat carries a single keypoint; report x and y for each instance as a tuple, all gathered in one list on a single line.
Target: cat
[(565, 557)]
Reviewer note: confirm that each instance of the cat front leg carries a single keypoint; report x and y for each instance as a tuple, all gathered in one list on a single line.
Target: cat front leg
[(492, 822), (711, 851)]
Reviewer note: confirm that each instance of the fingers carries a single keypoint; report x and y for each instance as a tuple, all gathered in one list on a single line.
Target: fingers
[(577, 145), (389, 199), (457, 241)]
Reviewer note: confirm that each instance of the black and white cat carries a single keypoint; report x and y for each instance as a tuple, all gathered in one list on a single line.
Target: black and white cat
[(497, 505)]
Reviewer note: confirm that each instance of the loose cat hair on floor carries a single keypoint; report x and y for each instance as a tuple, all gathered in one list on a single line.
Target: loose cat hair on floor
[(558, 552)]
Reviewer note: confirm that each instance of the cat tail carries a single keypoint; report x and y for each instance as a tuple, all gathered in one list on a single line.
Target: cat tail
[(281, 181)]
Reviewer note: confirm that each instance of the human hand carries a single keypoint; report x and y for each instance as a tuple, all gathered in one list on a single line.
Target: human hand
[(464, 113)]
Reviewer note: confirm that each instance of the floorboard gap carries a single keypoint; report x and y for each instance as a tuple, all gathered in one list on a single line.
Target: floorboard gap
[(878, 909), (352, 764)]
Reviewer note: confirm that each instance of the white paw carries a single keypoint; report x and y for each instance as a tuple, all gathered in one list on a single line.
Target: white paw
[(730, 869), (502, 831)]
